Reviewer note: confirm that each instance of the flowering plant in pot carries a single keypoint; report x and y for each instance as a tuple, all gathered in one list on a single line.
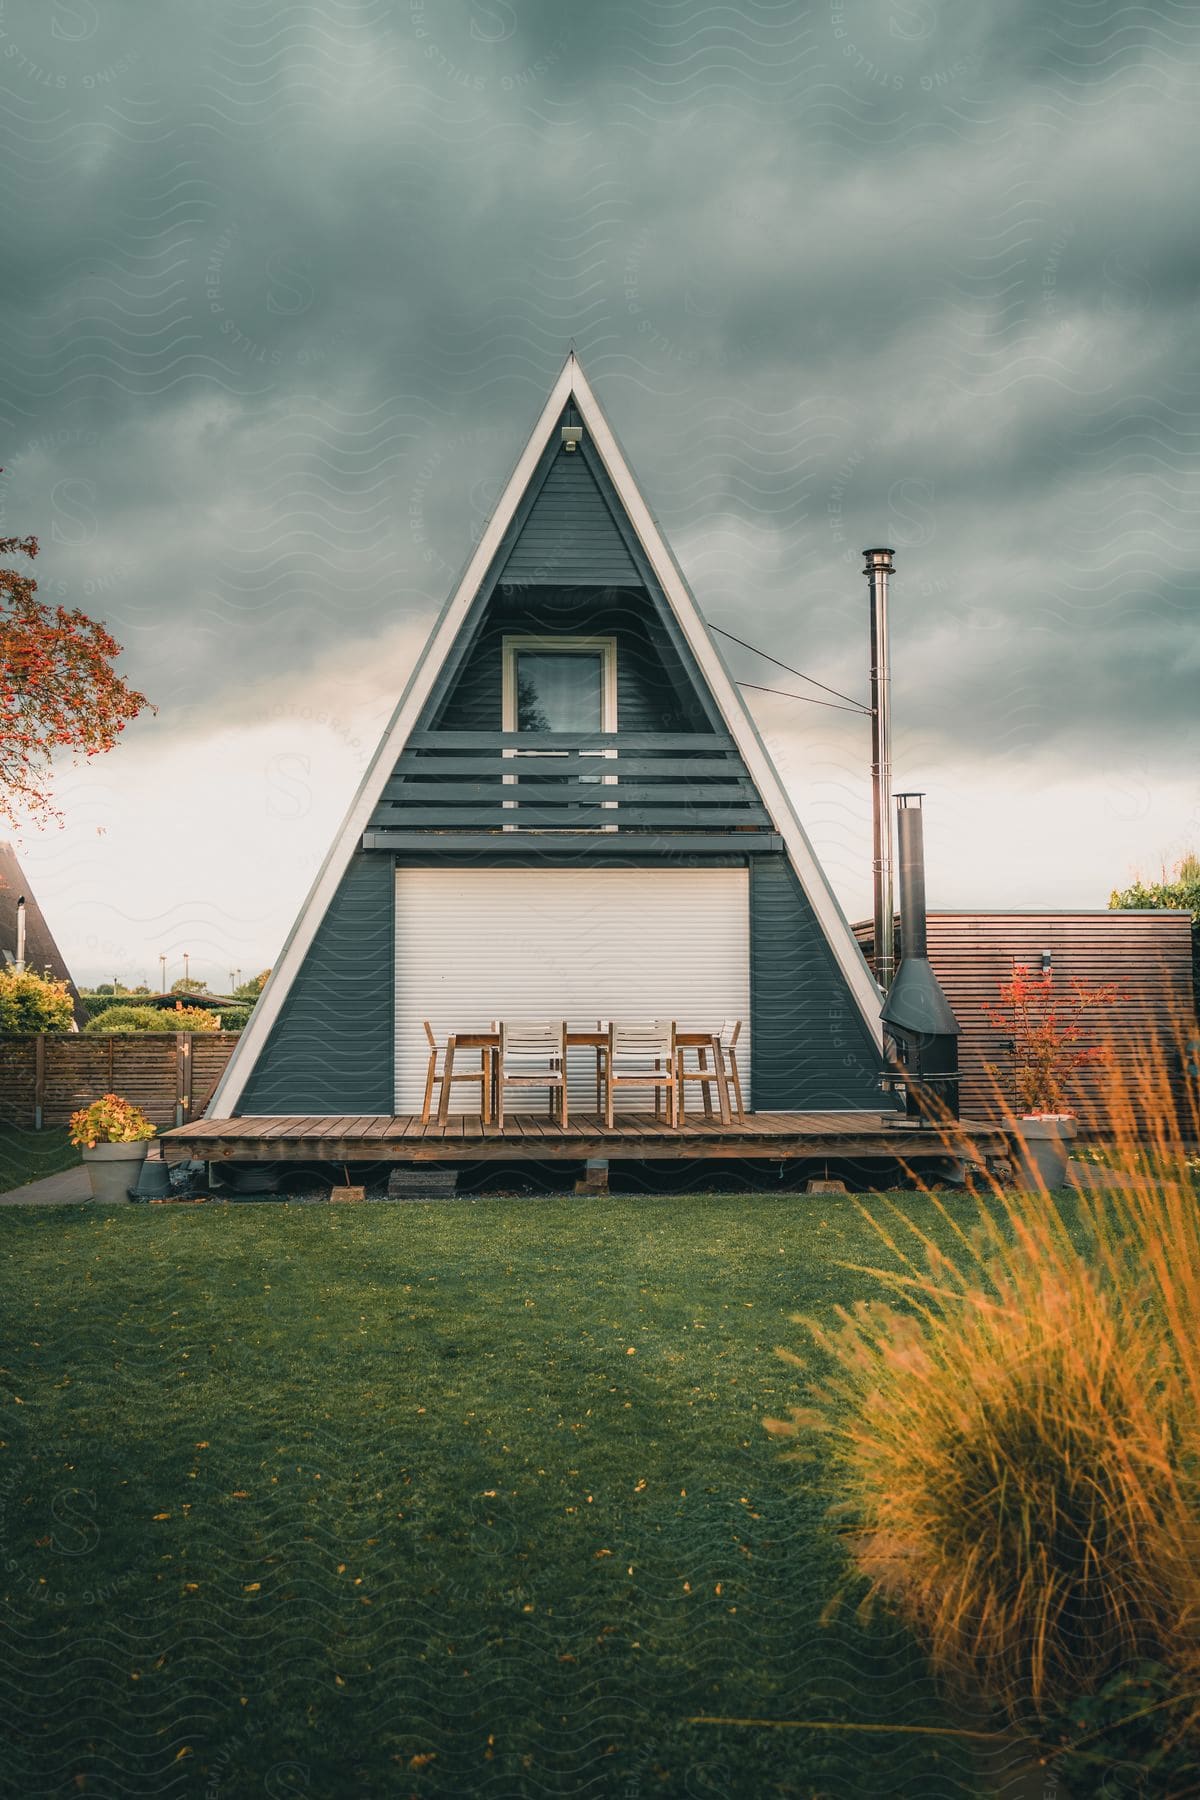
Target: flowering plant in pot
[(1045, 1028), (112, 1133)]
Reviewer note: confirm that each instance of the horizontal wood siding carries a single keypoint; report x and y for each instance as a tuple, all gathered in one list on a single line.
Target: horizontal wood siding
[(1147, 953), (570, 535), (144, 1067), (330, 1050), (811, 1047)]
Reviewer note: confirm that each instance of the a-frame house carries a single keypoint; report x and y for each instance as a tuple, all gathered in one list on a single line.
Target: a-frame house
[(571, 814)]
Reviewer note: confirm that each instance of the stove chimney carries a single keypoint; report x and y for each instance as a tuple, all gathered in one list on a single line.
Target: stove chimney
[(878, 565), (916, 1011), (910, 833)]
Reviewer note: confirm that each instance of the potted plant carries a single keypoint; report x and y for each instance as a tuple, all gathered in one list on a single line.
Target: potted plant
[(112, 1133), (1044, 1027)]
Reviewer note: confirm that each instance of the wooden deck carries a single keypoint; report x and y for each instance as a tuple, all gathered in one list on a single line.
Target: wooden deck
[(533, 1137)]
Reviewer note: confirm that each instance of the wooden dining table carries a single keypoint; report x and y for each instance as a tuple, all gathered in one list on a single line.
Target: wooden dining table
[(594, 1038)]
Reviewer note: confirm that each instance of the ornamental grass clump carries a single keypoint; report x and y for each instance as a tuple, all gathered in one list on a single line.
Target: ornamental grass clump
[(1016, 1433)]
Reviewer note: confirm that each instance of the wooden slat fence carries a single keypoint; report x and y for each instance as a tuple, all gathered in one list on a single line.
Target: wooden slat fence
[(1147, 954), (170, 1075)]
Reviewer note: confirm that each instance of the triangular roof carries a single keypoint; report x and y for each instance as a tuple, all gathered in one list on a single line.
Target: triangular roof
[(42, 954), (571, 389)]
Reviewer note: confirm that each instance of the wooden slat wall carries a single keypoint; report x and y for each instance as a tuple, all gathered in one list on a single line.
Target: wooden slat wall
[(16, 1081), (211, 1050), (142, 1067), (1148, 954), (570, 535)]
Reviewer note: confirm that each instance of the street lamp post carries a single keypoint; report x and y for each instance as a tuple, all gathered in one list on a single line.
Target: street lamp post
[(162, 963)]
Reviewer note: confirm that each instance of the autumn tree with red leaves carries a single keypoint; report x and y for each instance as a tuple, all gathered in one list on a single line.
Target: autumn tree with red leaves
[(58, 688)]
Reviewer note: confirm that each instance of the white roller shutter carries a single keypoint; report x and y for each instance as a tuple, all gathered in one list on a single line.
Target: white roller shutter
[(577, 944)]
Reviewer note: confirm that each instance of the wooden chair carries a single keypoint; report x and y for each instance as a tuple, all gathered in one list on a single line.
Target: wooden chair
[(722, 1071), (448, 1075), (601, 1056), (727, 1039), (533, 1056), (642, 1056)]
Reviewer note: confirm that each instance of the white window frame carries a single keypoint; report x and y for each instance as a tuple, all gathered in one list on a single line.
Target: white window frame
[(511, 647), (569, 646)]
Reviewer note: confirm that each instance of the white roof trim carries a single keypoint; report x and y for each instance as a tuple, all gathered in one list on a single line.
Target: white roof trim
[(571, 381), (734, 712), (412, 702)]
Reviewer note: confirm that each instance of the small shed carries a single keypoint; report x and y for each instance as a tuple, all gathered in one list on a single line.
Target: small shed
[(1148, 953), (42, 954)]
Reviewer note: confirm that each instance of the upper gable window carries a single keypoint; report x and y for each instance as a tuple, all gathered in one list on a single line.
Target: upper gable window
[(561, 684)]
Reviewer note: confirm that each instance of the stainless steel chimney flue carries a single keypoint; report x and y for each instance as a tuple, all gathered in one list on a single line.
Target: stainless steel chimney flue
[(910, 830), (916, 1011), (878, 565)]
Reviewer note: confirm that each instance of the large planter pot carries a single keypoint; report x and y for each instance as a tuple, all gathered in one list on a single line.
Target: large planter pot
[(1042, 1149), (113, 1170)]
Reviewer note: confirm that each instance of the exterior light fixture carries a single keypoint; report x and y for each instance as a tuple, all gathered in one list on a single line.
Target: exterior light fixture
[(571, 435)]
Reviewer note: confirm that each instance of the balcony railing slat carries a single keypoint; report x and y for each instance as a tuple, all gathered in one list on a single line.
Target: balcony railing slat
[(548, 791), (623, 844), (530, 814), (510, 782), (569, 740), (719, 762)]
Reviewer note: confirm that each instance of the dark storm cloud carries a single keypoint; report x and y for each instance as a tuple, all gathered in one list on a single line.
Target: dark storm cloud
[(291, 281)]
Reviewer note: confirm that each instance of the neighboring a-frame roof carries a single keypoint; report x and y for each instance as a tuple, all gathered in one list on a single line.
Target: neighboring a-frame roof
[(42, 954), (571, 388)]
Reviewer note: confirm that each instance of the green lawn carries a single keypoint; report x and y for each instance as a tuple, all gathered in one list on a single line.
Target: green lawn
[(432, 1500), (27, 1155)]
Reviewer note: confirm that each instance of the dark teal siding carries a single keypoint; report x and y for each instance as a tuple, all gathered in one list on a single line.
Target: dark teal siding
[(653, 691), (570, 536), (332, 1047), (810, 1046)]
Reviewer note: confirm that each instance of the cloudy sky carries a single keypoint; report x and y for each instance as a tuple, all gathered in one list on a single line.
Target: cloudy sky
[(284, 287)]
